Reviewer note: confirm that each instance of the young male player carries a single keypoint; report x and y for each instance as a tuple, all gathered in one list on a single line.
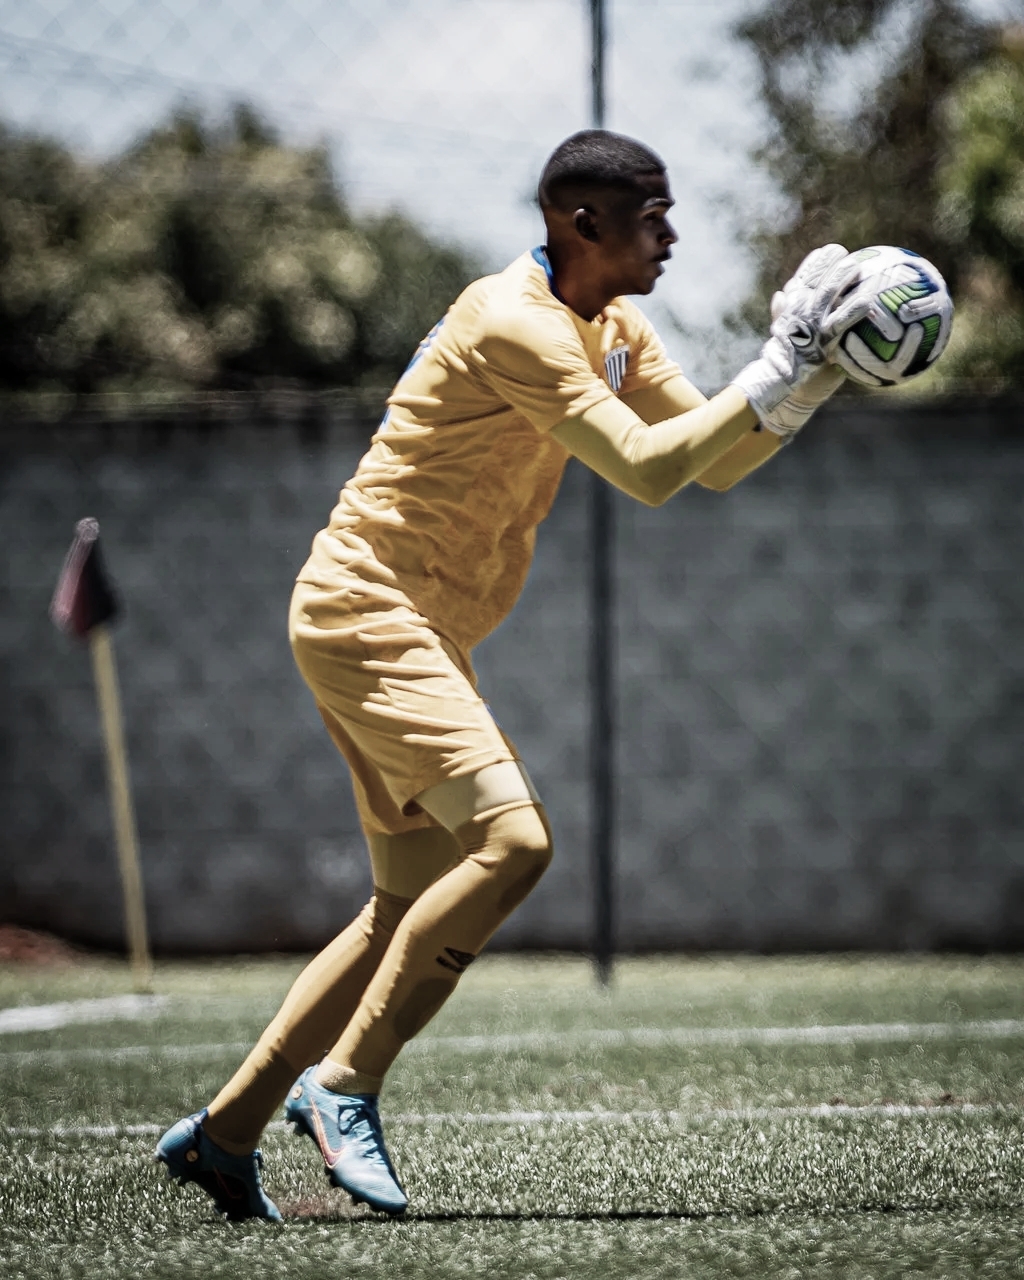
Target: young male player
[(425, 553)]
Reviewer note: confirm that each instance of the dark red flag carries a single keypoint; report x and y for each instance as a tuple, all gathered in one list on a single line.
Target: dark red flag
[(84, 597)]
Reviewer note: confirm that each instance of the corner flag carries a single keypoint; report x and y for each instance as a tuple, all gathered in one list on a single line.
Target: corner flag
[(82, 606), (84, 598)]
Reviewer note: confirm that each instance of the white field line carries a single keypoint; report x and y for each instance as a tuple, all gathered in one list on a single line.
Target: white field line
[(687, 1037), (826, 1111), (124, 1053), (634, 1037), (50, 1017), (816, 1111)]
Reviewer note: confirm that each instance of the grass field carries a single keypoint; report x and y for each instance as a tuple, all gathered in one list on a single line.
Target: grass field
[(712, 1117)]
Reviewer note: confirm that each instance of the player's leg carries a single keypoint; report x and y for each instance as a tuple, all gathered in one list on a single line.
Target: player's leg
[(217, 1147), (399, 703), (407, 699), (323, 997), (505, 846)]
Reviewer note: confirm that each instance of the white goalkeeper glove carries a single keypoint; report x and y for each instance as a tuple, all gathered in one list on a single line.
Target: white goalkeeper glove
[(789, 380), (788, 417)]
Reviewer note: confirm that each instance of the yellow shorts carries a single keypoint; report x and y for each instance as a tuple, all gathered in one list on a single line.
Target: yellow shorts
[(399, 700)]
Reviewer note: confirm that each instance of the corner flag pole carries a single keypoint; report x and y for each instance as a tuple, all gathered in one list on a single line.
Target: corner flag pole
[(125, 831), (83, 604), (602, 708)]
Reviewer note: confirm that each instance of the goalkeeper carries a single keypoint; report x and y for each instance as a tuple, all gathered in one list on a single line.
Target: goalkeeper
[(425, 553)]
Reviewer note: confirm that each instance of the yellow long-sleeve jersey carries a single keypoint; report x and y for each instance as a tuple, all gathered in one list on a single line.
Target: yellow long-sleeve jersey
[(442, 512)]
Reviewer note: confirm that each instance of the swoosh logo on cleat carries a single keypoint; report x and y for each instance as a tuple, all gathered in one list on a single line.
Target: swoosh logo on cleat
[(330, 1155)]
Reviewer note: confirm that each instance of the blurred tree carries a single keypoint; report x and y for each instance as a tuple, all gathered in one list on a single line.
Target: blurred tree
[(871, 104), (204, 257), (981, 216)]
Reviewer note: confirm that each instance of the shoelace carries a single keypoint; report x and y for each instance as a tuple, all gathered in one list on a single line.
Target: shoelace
[(363, 1124)]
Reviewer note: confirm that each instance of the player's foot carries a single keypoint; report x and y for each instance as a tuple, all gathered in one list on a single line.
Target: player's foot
[(233, 1181), (346, 1128)]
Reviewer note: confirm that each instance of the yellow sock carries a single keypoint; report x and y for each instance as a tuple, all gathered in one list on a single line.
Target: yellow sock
[(506, 851), (332, 1075), (320, 1003)]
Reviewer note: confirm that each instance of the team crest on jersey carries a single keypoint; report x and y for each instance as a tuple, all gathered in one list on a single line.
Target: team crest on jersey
[(615, 366)]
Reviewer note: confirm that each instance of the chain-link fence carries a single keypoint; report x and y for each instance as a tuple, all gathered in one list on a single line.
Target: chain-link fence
[(818, 716), (444, 110)]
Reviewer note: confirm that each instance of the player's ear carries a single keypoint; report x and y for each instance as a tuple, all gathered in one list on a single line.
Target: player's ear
[(585, 224)]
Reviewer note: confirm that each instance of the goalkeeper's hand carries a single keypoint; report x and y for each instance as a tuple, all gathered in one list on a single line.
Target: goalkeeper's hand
[(788, 381), (788, 417)]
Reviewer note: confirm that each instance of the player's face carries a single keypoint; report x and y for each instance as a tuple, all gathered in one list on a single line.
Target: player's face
[(638, 236)]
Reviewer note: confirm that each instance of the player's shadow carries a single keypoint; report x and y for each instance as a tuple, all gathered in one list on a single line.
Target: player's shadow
[(541, 1215), (315, 1212)]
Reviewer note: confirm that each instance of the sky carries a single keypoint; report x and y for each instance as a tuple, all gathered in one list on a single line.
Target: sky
[(443, 108)]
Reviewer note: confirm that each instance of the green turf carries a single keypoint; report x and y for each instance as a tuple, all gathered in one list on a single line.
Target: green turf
[(851, 1193)]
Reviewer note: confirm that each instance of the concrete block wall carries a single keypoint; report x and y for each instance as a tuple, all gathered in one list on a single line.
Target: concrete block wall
[(820, 689), (842, 719)]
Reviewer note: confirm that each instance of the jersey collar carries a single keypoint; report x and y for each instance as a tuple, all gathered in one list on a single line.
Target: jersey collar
[(540, 255)]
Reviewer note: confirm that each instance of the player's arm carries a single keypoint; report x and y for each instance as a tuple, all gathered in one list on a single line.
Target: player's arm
[(651, 462), (534, 359), (677, 395), (747, 454), (780, 390)]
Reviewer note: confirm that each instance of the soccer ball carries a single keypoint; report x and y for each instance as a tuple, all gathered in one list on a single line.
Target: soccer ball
[(908, 321)]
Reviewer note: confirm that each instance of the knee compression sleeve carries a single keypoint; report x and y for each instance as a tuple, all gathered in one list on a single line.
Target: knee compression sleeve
[(405, 864), (320, 1003), (506, 851)]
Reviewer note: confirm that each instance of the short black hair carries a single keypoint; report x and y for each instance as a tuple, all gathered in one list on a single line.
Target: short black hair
[(594, 158)]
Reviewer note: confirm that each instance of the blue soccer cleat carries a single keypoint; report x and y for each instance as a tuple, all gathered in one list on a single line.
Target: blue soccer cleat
[(346, 1128), (233, 1181)]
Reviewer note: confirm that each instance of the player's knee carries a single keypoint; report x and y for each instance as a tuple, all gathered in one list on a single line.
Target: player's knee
[(516, 847), (533, 851)]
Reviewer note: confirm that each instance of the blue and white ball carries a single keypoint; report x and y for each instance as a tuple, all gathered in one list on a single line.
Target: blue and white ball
[(908, 322)]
